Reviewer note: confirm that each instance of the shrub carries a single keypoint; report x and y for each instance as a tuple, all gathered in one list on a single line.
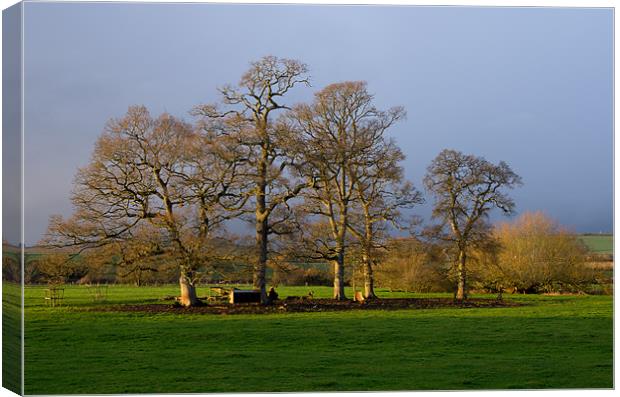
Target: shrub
[(412, 265), (294, 275), (536, 255)]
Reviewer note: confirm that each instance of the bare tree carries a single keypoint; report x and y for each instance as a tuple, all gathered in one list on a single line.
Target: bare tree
[(380, 195), (249, 121), (146, 169), (339, 133), (466, 189)]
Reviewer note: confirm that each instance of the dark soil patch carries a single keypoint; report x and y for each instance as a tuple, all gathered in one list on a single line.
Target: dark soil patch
[(312, 305)]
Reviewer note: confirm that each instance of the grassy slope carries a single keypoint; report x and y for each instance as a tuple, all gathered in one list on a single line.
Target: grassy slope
[(553, 342), (599, 244)]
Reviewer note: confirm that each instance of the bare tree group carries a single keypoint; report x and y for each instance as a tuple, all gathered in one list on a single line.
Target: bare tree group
[(323, 175)]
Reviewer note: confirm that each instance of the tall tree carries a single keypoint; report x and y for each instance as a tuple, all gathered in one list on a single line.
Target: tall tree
[(380, 193), (466, 189), (145, 169), (248, 119), (338, 134)]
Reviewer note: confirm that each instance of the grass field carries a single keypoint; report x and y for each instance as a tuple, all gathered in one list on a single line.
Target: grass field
[(551, 342), (11, 337), (599, 244)]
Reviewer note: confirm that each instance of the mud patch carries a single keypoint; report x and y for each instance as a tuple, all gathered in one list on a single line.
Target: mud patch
[(311, 305)]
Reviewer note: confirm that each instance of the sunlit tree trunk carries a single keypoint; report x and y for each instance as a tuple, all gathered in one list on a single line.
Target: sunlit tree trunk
[(461, 273), (369, 282), (340, 235), (339, 276), (188, 290), (369, 288)]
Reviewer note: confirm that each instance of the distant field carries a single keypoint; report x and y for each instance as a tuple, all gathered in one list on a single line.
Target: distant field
[(600, 244), (550, 342)]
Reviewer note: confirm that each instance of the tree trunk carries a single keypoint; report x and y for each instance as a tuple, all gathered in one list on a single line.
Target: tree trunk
[(339, 233), (461, 287), (339, 277), (261, 263), (369, 282), (188, 291), (262, 230)]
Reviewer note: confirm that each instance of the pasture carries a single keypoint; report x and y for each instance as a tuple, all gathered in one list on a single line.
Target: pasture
[(599, 243), (548, 342)]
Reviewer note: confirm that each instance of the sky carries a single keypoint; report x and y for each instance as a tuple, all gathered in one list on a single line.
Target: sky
[(529, 86)]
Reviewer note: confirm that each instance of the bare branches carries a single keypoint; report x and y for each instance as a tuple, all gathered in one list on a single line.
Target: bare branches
[(156, 172), (341, 137), (262, 144), (467, 188)]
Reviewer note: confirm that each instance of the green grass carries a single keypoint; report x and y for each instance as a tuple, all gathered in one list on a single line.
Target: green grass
[(11, 337), (552, 342), (599, 244)]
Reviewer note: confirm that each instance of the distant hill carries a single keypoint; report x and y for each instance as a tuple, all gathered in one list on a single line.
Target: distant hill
[(30, 253)]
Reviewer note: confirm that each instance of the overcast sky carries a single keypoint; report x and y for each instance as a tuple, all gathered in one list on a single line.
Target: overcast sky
[(530, 86)]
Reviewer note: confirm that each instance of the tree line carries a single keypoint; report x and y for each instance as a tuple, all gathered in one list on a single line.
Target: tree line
[(319, 181), (531, 254)]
